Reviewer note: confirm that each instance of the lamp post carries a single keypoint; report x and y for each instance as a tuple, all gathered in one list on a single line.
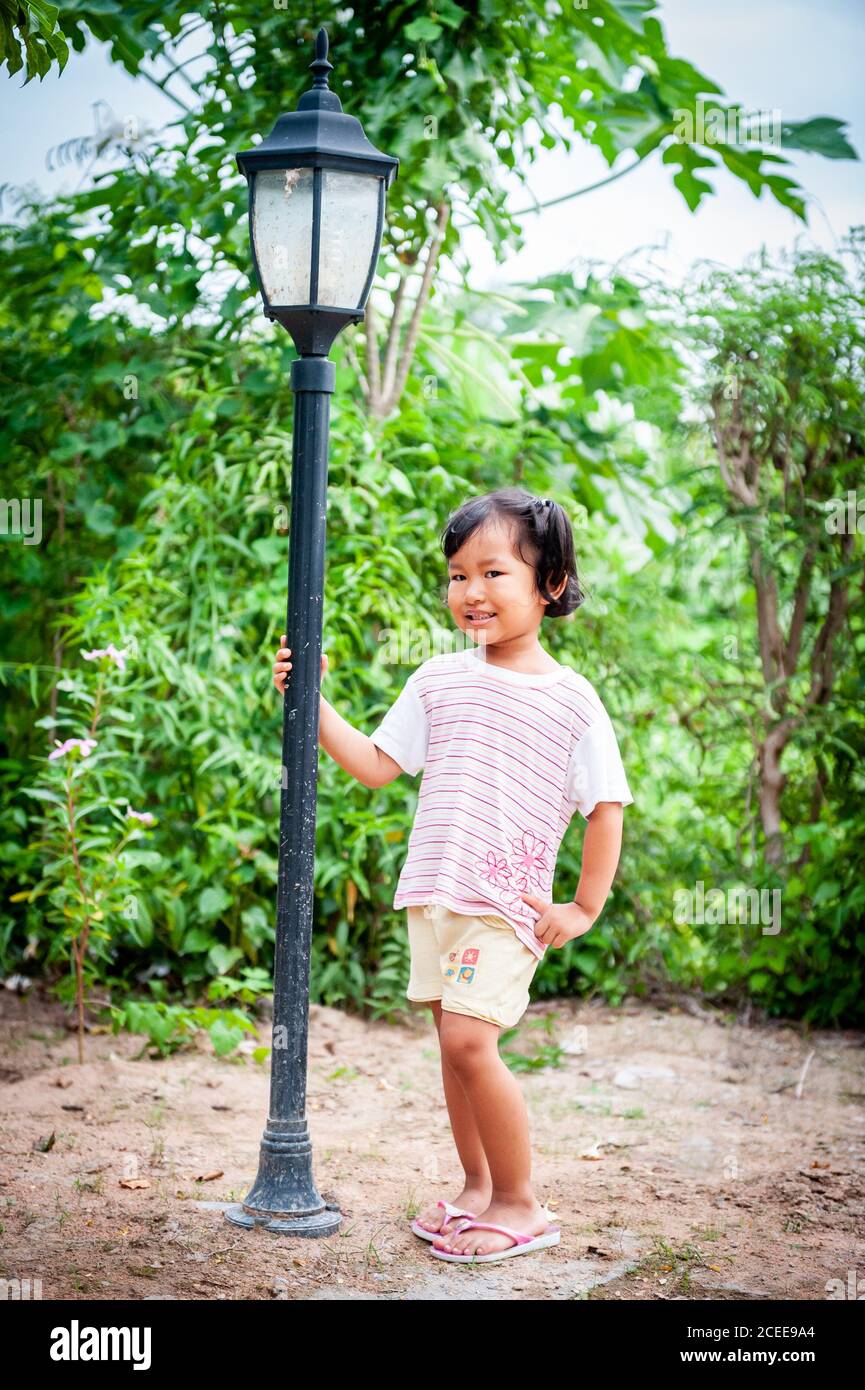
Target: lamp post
[(316, 210)]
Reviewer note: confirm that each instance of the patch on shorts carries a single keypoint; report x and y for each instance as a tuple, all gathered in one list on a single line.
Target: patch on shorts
[(470, 956), (466, 975)]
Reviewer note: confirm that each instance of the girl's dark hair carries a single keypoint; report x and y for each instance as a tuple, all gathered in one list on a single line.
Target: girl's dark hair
[(542, 535)]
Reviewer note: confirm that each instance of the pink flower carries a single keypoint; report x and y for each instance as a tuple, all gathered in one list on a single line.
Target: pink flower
[(518, 908), (494, 868), (85, 744), (146, 816), (528, 861), (119, 658)]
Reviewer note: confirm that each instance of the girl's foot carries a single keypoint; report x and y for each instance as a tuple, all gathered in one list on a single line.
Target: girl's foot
[(435, 1218), (529, 1219)]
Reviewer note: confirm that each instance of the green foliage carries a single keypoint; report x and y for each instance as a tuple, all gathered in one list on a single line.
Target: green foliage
[(170, 1027), (547, 1053), (190, 729), (37, 42), (464, 96), (157, 433)]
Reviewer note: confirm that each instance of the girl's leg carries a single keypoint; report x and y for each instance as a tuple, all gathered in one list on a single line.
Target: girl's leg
[(476, 1193), (498, 1112)]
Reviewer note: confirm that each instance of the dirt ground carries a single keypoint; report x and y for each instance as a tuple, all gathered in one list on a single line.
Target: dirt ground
[(686, 1154)]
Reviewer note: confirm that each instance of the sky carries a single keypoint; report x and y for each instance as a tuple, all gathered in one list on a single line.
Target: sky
[(793, 56), (787, 55)]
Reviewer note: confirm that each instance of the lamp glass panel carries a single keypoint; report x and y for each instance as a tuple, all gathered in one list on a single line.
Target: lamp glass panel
[(349, 220), (282, 233)]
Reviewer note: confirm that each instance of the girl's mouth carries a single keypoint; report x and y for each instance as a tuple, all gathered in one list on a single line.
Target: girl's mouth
[(480, 622)]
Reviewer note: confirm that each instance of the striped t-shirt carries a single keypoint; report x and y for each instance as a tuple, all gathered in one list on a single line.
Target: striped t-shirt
[(507, 758)]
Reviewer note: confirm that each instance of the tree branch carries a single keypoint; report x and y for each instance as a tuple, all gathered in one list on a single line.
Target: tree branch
[(793, 644), (733, 469), (352, 357), (768, 626), (373, 366), (392, 344), (578, 192), (420, 303), (822, 658)]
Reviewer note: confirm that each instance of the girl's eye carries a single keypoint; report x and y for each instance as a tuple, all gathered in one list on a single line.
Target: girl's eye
[(459, 576)]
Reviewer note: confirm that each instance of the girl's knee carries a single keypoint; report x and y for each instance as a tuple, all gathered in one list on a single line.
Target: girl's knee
[(466, 1041)]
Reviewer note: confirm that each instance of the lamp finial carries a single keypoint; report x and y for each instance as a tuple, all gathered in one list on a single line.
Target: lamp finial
[(320, 66)]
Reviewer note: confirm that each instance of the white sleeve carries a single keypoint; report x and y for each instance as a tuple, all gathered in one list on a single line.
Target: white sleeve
[(595, 772), (404, 731)]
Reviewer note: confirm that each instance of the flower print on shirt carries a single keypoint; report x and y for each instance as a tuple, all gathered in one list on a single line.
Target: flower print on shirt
[(526, 872), (529, 861), (530, 871), (494, 868)]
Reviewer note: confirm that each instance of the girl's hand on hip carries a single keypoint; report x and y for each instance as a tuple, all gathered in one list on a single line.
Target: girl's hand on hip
[(282, 666), (558, 923)]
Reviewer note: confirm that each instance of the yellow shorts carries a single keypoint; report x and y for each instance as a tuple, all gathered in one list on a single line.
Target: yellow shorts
[(474, 965)]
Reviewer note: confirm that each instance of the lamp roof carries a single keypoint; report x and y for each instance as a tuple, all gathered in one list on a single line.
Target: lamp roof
[(318, 131)]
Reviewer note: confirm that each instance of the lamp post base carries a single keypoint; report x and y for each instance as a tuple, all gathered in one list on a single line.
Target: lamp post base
[(284, 1197), (311, 1224)]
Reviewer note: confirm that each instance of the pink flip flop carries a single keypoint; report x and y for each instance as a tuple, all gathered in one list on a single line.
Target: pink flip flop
[(452, 1212), (524, 1245)]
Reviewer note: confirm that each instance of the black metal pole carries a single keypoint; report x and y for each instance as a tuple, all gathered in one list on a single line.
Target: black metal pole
[(284, 1197)]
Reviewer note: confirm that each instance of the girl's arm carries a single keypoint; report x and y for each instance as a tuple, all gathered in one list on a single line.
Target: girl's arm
[(602, 845), (354, 751)]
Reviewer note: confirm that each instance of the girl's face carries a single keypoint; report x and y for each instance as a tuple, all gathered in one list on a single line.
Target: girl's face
[(486, 576)]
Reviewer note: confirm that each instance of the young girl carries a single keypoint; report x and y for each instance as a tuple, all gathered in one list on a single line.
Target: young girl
[(511, 743)]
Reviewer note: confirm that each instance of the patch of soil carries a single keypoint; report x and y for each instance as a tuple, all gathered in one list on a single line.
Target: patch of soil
[(685, 1154)]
